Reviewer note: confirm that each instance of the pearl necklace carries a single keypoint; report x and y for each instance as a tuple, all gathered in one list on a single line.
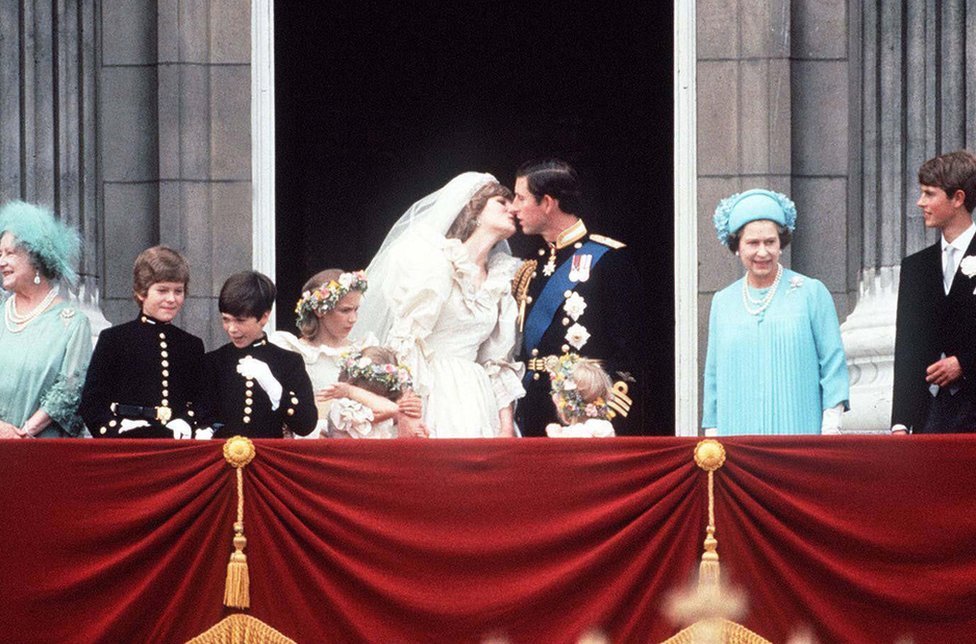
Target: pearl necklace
[(766, 300), (15, 321)]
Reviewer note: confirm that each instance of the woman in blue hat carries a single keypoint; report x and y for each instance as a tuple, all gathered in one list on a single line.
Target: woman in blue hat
[(775, 362)]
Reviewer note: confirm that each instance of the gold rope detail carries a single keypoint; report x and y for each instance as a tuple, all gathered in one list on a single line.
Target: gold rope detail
[(710, 456), (238, 452)]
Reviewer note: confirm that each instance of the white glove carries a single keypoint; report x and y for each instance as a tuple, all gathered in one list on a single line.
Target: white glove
[(711, 432), (203, 434), (831, 421), (259, 371), (181, 429), (127, 425)]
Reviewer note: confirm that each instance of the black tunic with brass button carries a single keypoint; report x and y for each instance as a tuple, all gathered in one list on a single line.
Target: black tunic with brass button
[(243, 407), (145, 370), (612, 318)]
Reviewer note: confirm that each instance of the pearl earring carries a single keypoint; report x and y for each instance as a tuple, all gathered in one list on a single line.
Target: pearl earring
[(37, 277)]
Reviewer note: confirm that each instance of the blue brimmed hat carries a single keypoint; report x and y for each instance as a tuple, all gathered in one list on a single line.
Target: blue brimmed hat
[(732, 213)]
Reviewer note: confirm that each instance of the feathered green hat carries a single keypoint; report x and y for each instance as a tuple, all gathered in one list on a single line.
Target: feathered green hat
[(54, 244)]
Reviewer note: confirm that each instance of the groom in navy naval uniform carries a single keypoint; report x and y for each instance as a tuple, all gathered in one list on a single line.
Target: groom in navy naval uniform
[(935, 332), (576, 295)]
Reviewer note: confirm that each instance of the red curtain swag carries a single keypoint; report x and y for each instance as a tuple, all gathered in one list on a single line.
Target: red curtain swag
[(860, 539)]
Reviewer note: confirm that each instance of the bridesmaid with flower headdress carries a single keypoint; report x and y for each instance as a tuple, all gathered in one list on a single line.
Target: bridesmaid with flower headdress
[(327, 311)]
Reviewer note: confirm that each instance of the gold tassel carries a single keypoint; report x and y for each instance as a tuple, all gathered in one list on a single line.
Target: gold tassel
[(710, 456), (238, 451)]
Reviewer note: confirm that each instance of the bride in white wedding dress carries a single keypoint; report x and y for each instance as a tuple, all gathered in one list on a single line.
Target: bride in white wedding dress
[(445, 272)]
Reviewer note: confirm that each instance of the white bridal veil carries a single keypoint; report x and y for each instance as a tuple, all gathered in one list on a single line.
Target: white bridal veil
[(423, 226)]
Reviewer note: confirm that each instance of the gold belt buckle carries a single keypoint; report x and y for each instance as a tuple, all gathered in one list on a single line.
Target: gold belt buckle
[(164, 414)]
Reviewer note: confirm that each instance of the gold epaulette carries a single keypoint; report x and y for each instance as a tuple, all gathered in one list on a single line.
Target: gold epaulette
[(608, 241), (520, 287), (619, 402)]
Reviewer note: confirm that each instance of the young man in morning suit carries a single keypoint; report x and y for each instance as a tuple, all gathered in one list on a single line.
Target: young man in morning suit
[(575, 295), (935, 332)]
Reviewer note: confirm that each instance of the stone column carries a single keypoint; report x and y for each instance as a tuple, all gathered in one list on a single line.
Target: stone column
[(175, 146), (915, 100), (47, 129)]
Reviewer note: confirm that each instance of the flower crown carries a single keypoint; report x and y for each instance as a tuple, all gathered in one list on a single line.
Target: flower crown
[(733, 212), (568, 398), (394, 377), (324, 298)]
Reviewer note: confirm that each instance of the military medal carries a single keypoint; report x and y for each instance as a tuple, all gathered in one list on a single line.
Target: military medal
[(580, 269), (550, 266)]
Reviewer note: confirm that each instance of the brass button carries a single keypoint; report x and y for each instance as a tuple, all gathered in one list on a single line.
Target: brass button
[(247, 410), (578, 245), (165, 373), (294, 400), (102, 431), (249, 383), (565, 321), (162, 336), (189, 412), (535, 274), (568, 294), (164, 403), (249, 401), (528, 300), (542, 251), (165, 383), (163, 345), (165, 363), (247, 419), (164, 354), (535, 376), (535, 352), (565, 348), (165, 393), (112, 423), (291, 412)]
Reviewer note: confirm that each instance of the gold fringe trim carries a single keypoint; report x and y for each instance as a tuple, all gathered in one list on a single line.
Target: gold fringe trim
[(238, 451), (241, 629)]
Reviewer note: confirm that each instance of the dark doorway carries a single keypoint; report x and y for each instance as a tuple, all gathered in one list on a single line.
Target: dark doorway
[(379, 105)]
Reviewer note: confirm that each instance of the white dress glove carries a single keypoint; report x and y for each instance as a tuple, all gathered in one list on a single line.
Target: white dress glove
[(127, 425), (259, 371), (203, 434), (831, 421), (180, 428)]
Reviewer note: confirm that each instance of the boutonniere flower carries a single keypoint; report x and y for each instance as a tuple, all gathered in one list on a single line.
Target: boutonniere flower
[(574, 306), (968, 265), (797, 281)]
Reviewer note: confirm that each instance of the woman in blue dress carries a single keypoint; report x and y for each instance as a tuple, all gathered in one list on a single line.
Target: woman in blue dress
[(45, 343), (775, 361)]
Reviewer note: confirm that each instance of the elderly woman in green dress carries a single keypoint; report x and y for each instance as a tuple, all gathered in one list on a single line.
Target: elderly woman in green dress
[(45, 344)]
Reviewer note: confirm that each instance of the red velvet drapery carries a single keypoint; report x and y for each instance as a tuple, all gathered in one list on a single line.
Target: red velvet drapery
[(859, 538)]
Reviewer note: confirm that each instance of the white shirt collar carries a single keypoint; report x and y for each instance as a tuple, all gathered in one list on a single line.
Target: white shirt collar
[(961, 242)]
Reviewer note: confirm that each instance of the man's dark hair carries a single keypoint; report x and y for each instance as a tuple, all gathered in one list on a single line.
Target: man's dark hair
[(555, 178), (247, 294)]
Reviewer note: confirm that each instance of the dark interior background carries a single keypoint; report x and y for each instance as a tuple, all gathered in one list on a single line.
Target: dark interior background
[(379, 105)]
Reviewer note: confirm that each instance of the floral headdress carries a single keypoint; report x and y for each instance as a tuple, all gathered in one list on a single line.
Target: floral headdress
[(568, 398), (732, 213), (393, 377), (53, 243), (325, 297)]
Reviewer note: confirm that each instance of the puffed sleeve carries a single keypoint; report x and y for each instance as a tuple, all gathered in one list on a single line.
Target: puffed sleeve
[(61, 401), (834, 382), (709, 403), (416, 297), (496, 354)]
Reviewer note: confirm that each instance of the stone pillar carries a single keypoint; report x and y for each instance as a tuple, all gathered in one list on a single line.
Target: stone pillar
[(47, 129), (175, 146), (914, 104)]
